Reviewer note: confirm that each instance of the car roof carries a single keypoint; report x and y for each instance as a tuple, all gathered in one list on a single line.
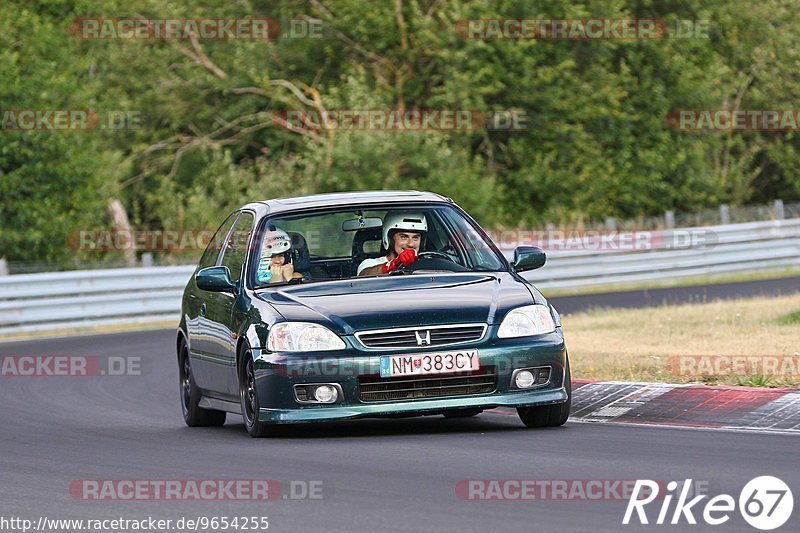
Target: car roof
[(280, 205)]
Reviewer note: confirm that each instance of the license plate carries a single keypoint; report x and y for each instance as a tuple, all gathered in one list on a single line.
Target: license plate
[(429, 363)]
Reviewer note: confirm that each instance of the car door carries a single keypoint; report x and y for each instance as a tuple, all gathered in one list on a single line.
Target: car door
[(198, 328), (220, 309)]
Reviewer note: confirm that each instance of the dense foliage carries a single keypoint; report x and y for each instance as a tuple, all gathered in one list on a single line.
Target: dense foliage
[(596, 141)]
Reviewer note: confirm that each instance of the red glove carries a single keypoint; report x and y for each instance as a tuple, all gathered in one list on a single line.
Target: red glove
[(406, 257)]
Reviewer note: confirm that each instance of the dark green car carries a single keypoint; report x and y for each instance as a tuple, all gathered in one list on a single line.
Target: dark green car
[(368, 304)]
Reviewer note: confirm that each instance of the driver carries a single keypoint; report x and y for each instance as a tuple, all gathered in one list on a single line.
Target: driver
[(403, 236)]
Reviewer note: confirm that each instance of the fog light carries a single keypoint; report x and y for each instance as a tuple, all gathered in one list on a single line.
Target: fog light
[(325, 394), (524, 379)]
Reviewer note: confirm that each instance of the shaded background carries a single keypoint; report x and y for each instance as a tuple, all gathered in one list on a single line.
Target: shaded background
[(203, 141)]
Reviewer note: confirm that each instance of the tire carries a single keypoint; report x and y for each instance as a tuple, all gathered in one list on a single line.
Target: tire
[(549, 415), (462, 413), (193, 414), (248, 395)]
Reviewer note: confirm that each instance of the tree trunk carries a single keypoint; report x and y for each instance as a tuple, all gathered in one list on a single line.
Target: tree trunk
[(123, 225)]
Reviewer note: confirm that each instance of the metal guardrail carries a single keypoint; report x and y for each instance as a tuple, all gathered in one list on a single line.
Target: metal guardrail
[(37, 302), (736, 248)]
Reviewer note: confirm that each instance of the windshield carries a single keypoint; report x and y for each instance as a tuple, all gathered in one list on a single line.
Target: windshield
[(347, 243)]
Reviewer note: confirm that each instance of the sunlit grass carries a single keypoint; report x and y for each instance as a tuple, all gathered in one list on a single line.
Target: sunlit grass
[(637, 344)]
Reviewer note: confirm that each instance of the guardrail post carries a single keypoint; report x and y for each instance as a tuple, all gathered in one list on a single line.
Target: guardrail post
[(669, 219), (611, 223), (724, 214), (3, 267), (147, 259), (779, 212)]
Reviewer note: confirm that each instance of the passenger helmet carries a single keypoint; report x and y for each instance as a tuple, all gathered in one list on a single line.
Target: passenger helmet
[(276, 241)]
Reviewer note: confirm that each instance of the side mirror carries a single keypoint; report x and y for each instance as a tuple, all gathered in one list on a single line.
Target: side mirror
[(528, 258), (215, 279)]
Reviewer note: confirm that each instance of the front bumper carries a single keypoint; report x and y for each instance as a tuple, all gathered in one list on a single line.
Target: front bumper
[(276, 375)]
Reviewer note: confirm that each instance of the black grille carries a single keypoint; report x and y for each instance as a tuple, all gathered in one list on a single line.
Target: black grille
[(437, 336), (376, 389)]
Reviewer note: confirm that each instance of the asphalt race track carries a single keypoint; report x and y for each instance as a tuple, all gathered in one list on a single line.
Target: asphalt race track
[(377, 475), (635, 299)]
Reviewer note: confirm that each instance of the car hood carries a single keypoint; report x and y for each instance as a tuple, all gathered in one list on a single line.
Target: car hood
[(398, 301)]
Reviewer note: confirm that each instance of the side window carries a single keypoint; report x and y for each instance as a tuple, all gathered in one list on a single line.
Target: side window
[(372, 248), (211, 254), (235, 252)]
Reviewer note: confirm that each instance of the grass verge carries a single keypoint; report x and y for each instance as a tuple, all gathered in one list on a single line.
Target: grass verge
[(753, 342)]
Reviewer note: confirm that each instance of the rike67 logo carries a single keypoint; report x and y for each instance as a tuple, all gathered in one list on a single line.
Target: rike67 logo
[(765, 502)]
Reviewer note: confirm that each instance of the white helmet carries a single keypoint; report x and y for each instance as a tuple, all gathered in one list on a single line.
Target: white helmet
[(397, 220), (276, 241)]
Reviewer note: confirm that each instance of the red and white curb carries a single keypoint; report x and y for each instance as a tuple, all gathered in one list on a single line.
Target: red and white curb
[(722, 407), (693, 406)]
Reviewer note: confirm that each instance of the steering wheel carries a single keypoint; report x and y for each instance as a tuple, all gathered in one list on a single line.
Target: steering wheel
[(430, 255)]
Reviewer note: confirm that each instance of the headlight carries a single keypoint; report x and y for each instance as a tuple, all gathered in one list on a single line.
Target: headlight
[(302, 337), (526, 321)]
